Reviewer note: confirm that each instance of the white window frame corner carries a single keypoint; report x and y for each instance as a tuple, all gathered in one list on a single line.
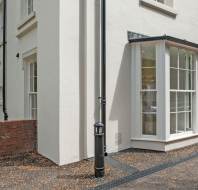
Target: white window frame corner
[(160, 7)]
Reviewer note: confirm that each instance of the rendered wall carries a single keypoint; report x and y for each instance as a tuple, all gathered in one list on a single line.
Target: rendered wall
[(48, 79), (79, 91), (15, 69)]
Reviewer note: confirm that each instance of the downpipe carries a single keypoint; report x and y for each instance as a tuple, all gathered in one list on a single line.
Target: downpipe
[(4, 59), (100, 127)]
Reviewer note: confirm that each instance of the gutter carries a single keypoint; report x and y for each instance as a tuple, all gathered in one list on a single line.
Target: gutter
[(4, 59)]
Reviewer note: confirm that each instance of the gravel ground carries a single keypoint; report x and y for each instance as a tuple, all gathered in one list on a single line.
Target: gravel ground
[(144, 159), (31, 171), (181, 177)]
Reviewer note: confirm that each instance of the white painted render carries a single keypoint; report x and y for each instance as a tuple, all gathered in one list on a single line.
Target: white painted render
[(66, 39)]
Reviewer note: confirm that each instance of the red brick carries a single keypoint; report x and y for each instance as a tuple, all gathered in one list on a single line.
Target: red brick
[(18, 137)]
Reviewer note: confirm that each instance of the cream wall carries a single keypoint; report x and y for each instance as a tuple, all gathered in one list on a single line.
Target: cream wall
[(67, 41), (48, 58), (79, 91), (15, 69)]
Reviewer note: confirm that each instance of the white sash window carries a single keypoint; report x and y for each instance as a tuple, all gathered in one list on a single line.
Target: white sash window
[(27, 8), (182, 90), (33, 90)]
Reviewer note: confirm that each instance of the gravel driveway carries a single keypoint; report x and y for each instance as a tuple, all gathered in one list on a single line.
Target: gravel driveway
[(32, 171)]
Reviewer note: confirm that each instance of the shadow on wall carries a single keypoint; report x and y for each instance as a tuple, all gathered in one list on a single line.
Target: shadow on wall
[(121, 106), (82, 73)]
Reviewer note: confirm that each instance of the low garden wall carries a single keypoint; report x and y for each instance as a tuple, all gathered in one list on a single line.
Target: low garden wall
[(17, 137)]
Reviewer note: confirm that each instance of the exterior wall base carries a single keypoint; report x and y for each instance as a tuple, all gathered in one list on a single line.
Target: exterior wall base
[(164, 146), (17, 137)]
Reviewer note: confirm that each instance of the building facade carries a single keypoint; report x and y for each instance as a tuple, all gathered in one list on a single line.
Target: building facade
[(53, 56)]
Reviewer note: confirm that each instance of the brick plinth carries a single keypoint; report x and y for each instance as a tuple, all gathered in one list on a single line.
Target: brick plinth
[(17, 137)]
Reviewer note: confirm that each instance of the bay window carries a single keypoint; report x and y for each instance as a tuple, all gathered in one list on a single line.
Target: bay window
[(164, 89)]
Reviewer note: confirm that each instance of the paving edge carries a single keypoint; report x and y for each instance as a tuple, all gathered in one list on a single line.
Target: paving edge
[(121, 166), (144, 173)]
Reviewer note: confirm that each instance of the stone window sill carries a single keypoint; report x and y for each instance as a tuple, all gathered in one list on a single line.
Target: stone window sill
[(171, 139), (159, 7), (26, 25)]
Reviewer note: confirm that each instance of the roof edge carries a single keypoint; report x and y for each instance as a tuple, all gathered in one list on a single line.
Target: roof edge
[(164, 37)]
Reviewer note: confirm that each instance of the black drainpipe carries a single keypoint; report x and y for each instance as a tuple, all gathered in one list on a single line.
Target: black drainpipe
[(100, 127), (103, 69), (4, 60)]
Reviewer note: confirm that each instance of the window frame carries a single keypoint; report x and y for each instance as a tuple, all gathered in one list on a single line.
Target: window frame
[(160, 7), (151, 90), (27, 9), (188, 55), (32, 93), (30, 90), (30, 7)]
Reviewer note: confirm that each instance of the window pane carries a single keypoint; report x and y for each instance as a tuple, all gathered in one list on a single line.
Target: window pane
[(30, 6), (181, 101), (188, 80), (181, 122), (188, 102), (160, 1), (173, 102), (35, 84), (149, 124), (182, 79), (34, 101), (149, 102), (35, 69), (34, 114), (193, 75), (174, 57), (193, 64), (31, 78), (174, 79), (188, 61), (182, 59), (148, 78), (148, 54), (188, 121), (185, 80), (173, 123)]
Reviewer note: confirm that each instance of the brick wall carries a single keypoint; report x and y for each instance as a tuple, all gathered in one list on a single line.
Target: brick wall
[(17, 137)]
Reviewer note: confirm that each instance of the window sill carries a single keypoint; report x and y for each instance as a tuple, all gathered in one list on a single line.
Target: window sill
[(178, 137), (185, 135), (26, 25), (159, 7)]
